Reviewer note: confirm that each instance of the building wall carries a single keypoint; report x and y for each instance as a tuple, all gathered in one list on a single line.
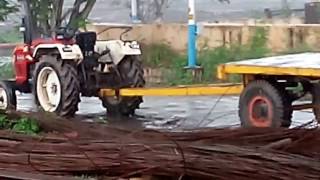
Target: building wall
[(281, 37)]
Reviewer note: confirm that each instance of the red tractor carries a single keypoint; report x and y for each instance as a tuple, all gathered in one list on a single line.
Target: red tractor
[(59, 70)]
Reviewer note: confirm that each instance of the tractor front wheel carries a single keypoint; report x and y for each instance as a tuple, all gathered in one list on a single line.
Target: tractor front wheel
[(8, 99), (56, 86), (131, 72)]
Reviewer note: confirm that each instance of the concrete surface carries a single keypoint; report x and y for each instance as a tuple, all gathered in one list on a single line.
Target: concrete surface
[(168, 112)]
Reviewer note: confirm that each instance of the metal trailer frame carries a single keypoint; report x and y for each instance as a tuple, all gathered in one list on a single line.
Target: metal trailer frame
[(195, 90), (267, 82)]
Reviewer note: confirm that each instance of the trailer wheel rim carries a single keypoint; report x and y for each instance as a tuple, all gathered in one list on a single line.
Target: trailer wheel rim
[(48, 89), (260, 112), (3, 99)]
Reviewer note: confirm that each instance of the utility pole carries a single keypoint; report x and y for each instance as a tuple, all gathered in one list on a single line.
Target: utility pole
[(192, 66), (192, 49)]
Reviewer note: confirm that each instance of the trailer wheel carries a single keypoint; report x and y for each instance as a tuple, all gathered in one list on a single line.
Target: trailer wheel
[(315, 92), (263, 105), (8, 98), (131, 70), (56, 86)]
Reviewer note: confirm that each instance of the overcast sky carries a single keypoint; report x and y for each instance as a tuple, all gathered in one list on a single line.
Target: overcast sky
[(208, 10)]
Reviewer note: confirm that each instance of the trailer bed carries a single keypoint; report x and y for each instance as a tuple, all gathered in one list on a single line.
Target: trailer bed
[(304, 64)]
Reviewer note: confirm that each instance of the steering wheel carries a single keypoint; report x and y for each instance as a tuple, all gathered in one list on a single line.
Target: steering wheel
[(66, 32)]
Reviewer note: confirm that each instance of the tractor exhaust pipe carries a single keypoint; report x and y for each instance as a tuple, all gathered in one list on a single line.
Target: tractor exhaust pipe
[(27, 37), (26, 27)]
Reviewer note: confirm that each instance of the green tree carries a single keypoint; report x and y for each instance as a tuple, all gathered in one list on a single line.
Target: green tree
[(5, 9), (48, 15)]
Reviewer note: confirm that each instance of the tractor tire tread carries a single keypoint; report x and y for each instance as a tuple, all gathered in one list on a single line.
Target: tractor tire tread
[(133, 71), (70, 85)]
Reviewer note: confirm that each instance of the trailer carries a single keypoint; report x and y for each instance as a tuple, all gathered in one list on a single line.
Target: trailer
[(274, 86)]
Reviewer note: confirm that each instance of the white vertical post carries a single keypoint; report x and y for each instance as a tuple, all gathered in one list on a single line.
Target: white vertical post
[(134, 11)]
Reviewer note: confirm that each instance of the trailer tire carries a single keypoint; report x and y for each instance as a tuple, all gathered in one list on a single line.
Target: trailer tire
[(288, 110), (263, 105), (66, 83), (131, 70), (315, 92), (8, 98)]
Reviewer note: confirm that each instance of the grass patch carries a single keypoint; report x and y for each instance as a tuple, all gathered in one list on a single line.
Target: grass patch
[(299, 49), (22, 125)]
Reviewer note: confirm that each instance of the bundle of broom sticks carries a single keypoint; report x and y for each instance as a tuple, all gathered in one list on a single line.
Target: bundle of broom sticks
[(73, 148)]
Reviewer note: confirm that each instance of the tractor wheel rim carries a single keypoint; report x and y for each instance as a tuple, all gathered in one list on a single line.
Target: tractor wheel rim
[(260, 112), (48, 89), (3, 99)]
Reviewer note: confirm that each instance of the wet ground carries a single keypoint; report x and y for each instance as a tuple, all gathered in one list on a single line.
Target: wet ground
[(168, 112), (164, 112)]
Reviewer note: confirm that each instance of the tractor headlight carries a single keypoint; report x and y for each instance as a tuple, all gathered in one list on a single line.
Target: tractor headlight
[(134, 45)]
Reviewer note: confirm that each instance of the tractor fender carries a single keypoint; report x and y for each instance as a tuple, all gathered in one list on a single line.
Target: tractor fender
[(67, 52), (118, 50)]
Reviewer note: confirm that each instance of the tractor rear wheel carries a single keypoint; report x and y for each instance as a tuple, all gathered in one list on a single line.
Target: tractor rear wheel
[(131, 71), (264, 105), (56, 86)]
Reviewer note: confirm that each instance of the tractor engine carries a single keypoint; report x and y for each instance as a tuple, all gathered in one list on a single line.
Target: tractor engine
[(97, 68), (87, 42)]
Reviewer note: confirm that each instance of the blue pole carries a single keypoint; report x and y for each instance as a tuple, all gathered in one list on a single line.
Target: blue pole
[(192, 36)]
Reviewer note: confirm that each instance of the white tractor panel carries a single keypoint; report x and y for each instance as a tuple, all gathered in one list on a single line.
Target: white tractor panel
[(118, 50)]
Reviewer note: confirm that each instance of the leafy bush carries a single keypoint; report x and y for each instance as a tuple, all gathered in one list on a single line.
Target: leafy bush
[(22, 125), (162, 56)]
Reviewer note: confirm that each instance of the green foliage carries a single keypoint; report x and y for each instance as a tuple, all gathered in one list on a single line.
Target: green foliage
[(22, 125), (42, 9), (82, 23), (162, 56), (12, 36), (158, 55), (6, 9), (4, 122), (257, 46), (6, 71), (299, 49), (26, 126)]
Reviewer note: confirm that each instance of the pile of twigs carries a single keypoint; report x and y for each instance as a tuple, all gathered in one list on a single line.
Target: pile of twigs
[(79, 148)]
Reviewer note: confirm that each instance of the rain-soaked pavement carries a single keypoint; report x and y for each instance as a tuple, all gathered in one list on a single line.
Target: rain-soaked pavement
[(167, 112), (164, 112)]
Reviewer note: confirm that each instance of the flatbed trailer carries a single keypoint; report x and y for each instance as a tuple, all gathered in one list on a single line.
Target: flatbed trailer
[(273, 87)]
